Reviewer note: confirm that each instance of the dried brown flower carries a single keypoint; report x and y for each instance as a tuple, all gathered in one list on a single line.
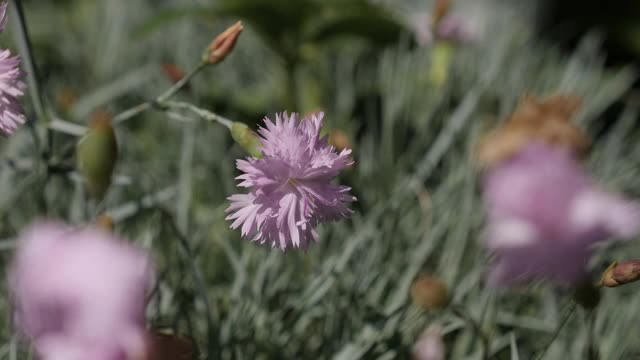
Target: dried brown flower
[(535, 120)]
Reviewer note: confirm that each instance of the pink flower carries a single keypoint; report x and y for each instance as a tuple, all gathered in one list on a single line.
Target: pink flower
[(11, 85), (429, 345), (291, 190), (544, 214), (80, 294), (452, 28)]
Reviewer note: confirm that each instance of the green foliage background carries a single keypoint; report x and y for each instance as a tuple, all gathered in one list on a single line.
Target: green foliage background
[(418, 209)]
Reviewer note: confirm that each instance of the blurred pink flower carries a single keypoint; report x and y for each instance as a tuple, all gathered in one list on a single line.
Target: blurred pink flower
[(544, 214), (11, 85), (451, 28), (429, 345), (291, 190), (80, 294)]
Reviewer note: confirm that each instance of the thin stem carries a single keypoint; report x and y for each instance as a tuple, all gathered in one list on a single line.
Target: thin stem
[(131, 112), (160, 100), (205, 114), (182, 82), (477, 328), (28, 62), (564, 321)]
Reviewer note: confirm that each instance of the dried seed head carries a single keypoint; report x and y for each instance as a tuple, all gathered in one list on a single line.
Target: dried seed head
[(547, 121), (224, 43), (429, 292)]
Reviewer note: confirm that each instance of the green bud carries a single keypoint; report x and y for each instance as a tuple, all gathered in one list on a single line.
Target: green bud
[(246, 138), (96, 155), (441, 58)]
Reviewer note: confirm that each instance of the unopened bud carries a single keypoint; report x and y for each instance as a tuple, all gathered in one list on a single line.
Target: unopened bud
[(223, 44), (587, 295), (429, 292), (440, 10), (105, 222), (96, 154), (621, 274), (441, 58), (173, 72), (246, 138)]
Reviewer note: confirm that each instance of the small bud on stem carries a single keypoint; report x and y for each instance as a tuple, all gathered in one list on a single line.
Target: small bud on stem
[(173, 73), (97, 153), (621, 274), (246, 138), (223, 44), (105, 222), (440, 10)]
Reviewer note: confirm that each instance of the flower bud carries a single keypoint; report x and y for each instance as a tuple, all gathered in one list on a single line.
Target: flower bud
[(105, 222), (429, 292), (441, 58), (223, 44), (246, 138), (621, 274), (96, 154), (173, 72), (440, 10)]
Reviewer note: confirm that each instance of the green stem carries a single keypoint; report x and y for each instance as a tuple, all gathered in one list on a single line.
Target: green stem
[(182, 82), (24, 44), (160, 100), (205, 114)]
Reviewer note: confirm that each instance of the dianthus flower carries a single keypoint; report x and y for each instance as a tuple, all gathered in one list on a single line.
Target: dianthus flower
[(291, 190), (545, 214), (11, 85), (80, 294)]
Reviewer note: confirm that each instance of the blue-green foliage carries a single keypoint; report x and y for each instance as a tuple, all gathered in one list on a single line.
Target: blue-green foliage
[(418, 209)]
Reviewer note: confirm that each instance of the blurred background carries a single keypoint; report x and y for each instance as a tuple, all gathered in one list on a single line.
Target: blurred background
[(408, 90)]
